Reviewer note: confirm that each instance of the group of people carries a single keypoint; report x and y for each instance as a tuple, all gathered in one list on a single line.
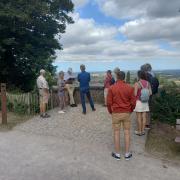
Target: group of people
[(66, 85), (120, 98)]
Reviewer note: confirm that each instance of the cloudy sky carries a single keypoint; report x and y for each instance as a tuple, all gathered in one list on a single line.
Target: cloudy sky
[(110, 33)]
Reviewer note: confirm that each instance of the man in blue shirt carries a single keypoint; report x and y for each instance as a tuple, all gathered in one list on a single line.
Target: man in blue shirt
[(84, 79)]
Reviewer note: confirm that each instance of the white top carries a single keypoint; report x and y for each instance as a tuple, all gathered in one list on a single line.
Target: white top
[(69, 76), (42, 83)]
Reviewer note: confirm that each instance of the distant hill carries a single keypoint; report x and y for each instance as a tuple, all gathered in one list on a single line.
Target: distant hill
[(172, 73)]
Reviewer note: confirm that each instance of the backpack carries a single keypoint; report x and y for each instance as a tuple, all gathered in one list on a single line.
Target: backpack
[(144, 97), (112, 81), (154, 83)]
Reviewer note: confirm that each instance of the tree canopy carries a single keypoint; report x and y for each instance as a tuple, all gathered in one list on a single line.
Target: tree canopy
[(29, 35)]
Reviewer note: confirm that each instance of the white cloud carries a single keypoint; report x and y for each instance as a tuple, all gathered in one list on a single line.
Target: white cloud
[(149, 21), (86, 32), (87, 41), (153, 29), (79, 3), (137, 8)]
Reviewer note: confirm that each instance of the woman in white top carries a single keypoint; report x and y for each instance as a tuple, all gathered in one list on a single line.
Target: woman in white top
[(142, 106)]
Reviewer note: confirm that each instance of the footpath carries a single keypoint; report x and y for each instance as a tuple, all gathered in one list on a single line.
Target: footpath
[(73, 146)]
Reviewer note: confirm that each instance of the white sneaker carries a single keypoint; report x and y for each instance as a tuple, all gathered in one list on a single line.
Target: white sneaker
[(128, 156), (61, 112)]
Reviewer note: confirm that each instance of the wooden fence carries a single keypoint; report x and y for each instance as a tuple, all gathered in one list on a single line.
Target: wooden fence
[(29, 102)]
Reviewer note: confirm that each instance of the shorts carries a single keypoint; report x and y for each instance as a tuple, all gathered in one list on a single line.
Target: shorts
[(121, 120), (43, 96)]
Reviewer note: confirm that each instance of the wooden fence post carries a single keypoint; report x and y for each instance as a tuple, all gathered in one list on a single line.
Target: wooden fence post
[(29, 107), (51, 98), (3, 103)]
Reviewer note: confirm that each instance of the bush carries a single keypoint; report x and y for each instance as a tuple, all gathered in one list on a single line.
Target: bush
[(20, 108), (166, 106)]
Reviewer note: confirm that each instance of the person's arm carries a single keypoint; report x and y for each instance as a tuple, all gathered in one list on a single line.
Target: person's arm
[(78, 78), (132, 99), (136, 87), (89, 78), (150, 90), (109, 101), (105, 82)]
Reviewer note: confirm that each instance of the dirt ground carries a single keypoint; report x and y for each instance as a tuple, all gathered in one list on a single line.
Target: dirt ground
[(72, 146), (161, 142), (13, 120)]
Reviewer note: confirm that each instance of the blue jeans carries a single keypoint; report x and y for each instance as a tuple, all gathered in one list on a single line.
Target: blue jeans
[(83, 101)]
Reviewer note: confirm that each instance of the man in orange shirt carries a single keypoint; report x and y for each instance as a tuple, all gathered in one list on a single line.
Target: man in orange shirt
[(120, 103)]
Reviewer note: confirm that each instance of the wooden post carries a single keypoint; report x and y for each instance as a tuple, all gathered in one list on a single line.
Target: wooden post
[(3, 103), (29, 108), (51, 98), (178, 124)]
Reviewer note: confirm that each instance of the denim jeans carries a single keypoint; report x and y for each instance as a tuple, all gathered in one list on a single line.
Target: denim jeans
[(83, 101)]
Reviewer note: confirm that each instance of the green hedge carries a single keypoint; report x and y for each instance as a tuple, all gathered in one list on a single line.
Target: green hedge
[(166, 105)]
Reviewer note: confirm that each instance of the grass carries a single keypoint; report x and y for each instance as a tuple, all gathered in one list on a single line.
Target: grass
[(160, 142), (13, 120)]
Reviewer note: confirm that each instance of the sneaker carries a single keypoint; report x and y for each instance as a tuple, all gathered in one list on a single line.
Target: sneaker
[(61, 112), (143, 133), (117, 157), (73, 105), (128, 156), (138, 133), (84, 113), (94, 109), (45, 116)]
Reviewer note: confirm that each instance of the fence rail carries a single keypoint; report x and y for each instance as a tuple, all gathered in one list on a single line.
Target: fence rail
[(29, 102)]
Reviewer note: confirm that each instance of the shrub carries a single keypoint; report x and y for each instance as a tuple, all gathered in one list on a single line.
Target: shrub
[(166, 106), (20, 108)]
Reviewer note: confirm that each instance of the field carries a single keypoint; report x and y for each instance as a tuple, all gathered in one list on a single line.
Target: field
[(97, 78)]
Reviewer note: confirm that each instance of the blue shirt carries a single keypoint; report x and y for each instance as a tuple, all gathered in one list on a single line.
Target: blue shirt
[(84, 79)]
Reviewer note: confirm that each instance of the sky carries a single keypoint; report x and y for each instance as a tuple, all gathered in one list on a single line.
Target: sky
[(126, 34)]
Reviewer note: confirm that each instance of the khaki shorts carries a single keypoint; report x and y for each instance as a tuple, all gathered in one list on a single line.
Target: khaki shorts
[(43, 96), (121, 120)]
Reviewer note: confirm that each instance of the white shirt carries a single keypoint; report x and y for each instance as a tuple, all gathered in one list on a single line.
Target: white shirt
[(42, 83), (68, 76)]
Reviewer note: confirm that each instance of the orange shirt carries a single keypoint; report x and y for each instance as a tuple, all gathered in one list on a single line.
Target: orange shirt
[(120, 98)]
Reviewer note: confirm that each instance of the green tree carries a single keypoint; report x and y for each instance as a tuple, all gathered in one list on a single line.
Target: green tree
[(29, 35), (128, 77)]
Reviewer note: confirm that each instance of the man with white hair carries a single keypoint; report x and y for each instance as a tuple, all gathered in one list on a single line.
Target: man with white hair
[(70, 79), (43, 87)]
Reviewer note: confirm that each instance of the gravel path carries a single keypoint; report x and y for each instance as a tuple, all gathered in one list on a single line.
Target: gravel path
[(72, 146)]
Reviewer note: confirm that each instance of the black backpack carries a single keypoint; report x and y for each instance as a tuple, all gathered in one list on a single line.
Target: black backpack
[(154, 82)]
